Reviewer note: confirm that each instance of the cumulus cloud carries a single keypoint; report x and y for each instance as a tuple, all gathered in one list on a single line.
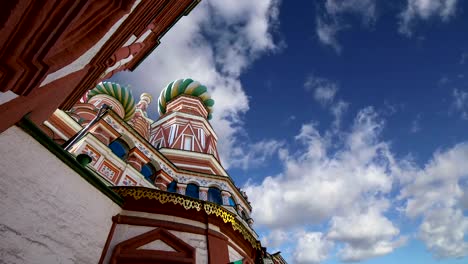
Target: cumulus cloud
[(443, 232), (312, 248), (275, 238), (347, 193), (342, 187), (213, 45), (361, 241), (329, 21), (436, 194), (460, 102), (425, 10), (256, 154)]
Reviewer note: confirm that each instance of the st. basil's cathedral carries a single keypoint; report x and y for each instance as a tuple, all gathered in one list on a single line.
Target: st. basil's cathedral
[(87, 175)]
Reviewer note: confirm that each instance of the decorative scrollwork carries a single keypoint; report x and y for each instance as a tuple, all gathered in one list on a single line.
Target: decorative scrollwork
[(162, 197), (189, 204)]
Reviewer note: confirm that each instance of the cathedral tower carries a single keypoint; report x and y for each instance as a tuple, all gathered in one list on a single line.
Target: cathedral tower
[(167, 171), (183, 132)]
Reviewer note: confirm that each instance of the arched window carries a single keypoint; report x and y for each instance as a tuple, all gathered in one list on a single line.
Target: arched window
[(192, 190), (232, 202), (172, 187), (120, 148), (214, 195), (148, 171)]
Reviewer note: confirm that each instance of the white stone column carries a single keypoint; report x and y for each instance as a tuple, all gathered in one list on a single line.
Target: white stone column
[(181, 188), (225, 195), (203, 193)]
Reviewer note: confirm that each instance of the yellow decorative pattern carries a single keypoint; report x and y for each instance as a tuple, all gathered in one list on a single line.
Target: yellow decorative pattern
[(162, 197), (189, 204)]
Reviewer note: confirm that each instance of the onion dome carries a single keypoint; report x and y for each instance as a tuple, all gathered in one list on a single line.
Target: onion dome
[(188, 87), (121, 93)]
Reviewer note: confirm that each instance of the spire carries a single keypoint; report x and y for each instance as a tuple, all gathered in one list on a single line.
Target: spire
[(140, 120), (142, 106)]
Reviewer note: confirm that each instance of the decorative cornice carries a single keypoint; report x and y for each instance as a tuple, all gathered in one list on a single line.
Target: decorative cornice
[(188, 204)]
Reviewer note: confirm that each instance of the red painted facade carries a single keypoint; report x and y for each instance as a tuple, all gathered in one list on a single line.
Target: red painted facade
[(39, 39)]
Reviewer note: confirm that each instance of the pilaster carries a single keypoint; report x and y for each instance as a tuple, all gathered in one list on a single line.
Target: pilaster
[(225, 195), (181, 187), (203, 193)]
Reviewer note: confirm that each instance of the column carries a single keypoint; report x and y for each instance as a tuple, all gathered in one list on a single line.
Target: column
[(203, 193), (162, 180), (181, 188), (225, 195)]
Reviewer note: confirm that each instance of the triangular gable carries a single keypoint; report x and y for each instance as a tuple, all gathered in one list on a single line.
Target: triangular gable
[(158, 136), (157, 245), (135, 249), (179, 137)]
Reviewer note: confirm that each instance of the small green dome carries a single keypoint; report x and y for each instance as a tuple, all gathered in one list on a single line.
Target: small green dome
[(121, 93), (188, 87)]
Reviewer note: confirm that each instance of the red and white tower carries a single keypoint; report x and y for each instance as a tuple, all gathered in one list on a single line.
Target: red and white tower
[(182, 132)]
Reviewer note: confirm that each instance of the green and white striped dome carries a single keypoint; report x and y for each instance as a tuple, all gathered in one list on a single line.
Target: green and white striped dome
[(119, 92), (188, 87)]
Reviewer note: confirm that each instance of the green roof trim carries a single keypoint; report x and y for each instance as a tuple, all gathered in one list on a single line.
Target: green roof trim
[(184, 85), (199, 90), (168, 92), (119, 92), (188, 87), (209, 102)]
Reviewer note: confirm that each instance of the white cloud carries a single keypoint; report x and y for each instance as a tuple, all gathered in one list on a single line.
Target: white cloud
[(326, 32), (380, 248), (443, 231), (436, 194), (312, 248), (275, 238), (338, 110), (316, 187), (460, 102), (424, 10), (347, 192), (365, 8), (331, 19), (366, 235), (329, 22), (324, 90), (325, 93), (213, 45), (256, 154)]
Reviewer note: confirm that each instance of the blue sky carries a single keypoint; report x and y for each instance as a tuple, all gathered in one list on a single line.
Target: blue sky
[(345, 121)]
